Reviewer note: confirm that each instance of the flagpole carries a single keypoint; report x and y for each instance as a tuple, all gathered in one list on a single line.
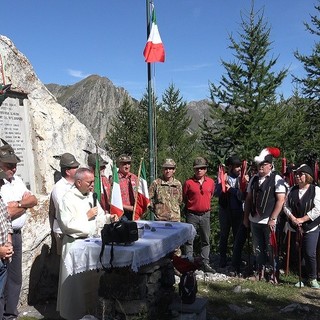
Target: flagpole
[(137, 190), (150, 105)]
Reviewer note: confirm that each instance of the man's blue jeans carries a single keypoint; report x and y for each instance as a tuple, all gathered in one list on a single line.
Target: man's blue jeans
[(3, 280)]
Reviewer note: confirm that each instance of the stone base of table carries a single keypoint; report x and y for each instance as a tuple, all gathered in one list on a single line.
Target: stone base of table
[(125, 294), (194, 311)]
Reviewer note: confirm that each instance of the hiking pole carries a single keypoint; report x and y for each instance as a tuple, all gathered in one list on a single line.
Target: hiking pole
[(288, 251), (299, 242), (248, 244), (274, 246)]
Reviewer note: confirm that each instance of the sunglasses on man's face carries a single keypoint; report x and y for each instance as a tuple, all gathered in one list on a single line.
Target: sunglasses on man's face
[(11, 166)]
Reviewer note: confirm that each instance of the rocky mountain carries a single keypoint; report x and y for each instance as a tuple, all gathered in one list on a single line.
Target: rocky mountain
[(198, 111), (94, 101)]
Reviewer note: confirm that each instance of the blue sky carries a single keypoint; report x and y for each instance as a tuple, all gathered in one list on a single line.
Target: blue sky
[(67, 40)]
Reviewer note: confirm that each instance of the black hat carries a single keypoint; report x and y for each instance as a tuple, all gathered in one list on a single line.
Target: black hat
[(67, 160), (305, 169), (233, 161), (92, 158), (7, 154)]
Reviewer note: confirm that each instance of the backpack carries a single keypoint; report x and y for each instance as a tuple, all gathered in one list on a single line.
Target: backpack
[(188, 287)]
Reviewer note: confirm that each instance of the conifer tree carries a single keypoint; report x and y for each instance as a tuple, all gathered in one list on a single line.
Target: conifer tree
[(310, 85), (129, 132), (177, 141), (311, 63), (239, 121)]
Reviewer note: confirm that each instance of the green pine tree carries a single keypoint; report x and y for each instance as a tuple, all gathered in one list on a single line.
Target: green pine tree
[(129, 132), (241, 99), (176, 141), (310, 85)]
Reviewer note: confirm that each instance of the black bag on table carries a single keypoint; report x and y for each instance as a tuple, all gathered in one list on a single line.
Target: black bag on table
[(120, 232)]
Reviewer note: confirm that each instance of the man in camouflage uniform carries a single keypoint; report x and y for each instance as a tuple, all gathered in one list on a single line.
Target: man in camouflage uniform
[(166, 194)]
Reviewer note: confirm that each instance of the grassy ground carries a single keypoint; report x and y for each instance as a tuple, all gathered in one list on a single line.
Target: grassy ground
[(246, 299), (241, 299)]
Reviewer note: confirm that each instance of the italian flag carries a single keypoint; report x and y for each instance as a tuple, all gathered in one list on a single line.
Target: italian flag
[(97, 179), (116, 206), (154, 49), (142, 201)]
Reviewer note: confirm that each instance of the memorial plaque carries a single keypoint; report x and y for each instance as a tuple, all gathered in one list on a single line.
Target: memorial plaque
[(14, 129)]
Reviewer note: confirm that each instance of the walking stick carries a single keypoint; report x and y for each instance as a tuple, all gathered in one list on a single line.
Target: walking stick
[(299, 243), (248, 243), (288, 251), (273, 243)]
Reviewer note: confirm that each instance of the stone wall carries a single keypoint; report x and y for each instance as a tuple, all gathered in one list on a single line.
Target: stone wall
[(128, 295)]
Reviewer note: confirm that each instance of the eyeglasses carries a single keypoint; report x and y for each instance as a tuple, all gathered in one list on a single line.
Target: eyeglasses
[(299, 174), (202, 168), (263, 164)]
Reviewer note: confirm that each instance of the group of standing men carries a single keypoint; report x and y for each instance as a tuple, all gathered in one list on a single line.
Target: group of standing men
[(256, 207), (77, 214)]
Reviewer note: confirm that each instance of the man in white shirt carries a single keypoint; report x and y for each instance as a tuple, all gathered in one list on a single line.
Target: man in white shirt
[(68, 168), (18, 199)]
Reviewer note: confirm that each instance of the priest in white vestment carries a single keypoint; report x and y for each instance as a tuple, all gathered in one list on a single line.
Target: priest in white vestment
[(79, 217)]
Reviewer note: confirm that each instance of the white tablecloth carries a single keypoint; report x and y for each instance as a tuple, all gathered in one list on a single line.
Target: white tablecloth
[(84, 254)]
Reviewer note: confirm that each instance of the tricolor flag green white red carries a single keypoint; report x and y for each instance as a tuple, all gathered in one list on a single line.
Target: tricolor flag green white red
[(97, 179), (154, 49), (116, 206), (142, 201)]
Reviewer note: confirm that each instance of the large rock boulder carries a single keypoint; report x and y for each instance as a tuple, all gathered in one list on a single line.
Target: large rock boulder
[(51, 130)]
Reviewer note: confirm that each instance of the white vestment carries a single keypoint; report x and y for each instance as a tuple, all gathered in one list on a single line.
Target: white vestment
[(77, 294)]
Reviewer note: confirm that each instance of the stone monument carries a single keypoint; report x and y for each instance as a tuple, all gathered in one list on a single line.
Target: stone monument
[(38, 128)]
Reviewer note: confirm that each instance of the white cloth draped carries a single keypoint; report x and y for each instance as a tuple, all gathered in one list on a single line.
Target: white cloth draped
[(84, 254)]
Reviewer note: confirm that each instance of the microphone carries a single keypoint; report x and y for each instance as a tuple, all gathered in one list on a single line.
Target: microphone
[(95, 197)]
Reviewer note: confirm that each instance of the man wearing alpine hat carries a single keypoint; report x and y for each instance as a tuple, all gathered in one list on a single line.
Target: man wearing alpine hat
[(18, 199), (197, 194), (68, 168), (166, 194), (128, 185)]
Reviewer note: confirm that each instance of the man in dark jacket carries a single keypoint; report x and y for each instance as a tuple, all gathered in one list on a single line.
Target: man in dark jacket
[(230, 206)]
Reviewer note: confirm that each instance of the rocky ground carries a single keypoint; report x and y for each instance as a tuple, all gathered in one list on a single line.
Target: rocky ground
[(311, 298)]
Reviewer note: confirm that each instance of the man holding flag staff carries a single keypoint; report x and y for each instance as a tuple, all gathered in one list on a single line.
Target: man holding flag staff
[(128, 183)]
